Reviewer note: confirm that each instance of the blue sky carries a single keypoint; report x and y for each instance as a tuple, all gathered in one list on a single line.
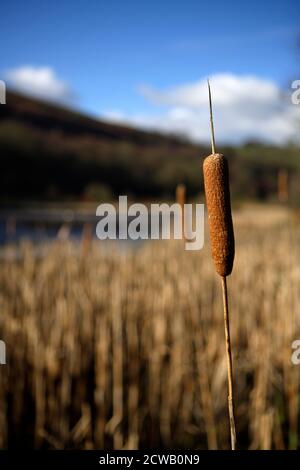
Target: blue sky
[(105, 54)]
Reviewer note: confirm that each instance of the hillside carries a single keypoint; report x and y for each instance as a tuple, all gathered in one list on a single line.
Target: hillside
[(48, 153), (48, 117)]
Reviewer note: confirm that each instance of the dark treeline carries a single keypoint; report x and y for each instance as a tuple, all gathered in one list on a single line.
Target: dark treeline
[(51, 154)]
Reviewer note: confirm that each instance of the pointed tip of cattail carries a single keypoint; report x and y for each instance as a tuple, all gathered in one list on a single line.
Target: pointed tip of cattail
[(212, 130), (216, 183)]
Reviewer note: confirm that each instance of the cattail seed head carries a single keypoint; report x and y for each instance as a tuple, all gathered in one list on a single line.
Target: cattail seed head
[(180, 194), (180, 199), (216, 183)]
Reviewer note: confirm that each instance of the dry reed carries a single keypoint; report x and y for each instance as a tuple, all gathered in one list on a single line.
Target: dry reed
[(65, 366), (216, 183), (180, 199)]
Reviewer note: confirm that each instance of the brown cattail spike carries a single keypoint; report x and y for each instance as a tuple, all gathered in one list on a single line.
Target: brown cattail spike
[(283, 186), (180, 199), (216, 182)]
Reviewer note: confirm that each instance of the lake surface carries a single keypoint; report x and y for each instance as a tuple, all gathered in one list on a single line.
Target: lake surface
[(40, 226)]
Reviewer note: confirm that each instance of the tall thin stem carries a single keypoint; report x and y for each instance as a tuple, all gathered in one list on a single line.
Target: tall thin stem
[(212, 130), (229, 365)]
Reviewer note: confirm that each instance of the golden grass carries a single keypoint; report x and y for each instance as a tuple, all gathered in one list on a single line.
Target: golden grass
[(127, 350)]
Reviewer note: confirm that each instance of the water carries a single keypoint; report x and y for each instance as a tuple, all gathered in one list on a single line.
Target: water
[(42, 227)]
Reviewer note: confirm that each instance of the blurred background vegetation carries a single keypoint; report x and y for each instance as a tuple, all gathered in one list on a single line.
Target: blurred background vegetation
[(51, 154)]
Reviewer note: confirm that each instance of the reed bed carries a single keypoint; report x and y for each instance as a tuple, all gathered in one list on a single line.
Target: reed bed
[(126, 349)]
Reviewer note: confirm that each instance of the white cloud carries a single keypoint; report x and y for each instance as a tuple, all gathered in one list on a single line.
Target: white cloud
[(39, 81), (245, 107)]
